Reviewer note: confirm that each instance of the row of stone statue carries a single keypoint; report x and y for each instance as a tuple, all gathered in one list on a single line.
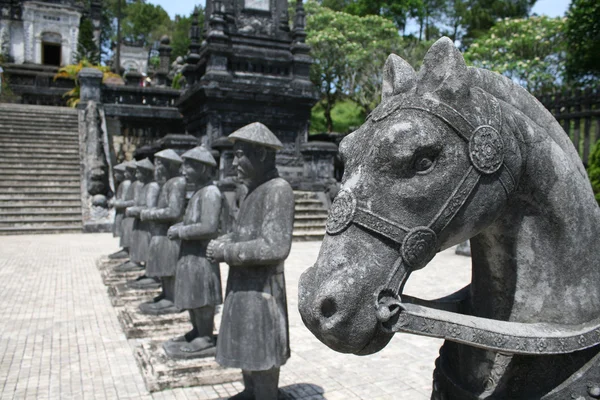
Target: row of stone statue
[(181, 247)]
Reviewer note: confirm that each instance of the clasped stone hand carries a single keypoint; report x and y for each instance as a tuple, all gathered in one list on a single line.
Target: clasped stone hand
[(215, 252), (173, 233)]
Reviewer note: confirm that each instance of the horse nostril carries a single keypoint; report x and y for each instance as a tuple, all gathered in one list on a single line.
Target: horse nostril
[(328, 307)]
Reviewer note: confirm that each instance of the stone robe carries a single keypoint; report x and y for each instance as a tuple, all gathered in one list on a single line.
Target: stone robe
[(254, 332), (198, 281), (120, 212), (164, 252), (133, 192), (142, 234)]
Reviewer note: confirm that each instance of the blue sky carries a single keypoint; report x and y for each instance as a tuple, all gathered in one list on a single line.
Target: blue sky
[(552, 8)]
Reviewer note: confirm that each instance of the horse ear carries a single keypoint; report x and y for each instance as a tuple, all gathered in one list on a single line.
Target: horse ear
[(398, 77), (444, 71)]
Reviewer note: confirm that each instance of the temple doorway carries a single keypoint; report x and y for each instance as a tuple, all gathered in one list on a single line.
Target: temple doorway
[(51, 54), (51, 49)]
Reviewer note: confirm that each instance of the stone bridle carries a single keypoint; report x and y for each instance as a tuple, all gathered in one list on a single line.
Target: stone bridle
[(418, 246)]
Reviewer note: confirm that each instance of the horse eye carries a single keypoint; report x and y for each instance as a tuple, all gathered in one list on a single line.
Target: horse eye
[(424, 163)]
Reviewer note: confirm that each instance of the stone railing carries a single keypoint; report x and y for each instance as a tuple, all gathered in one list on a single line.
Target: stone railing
[(35, 84), (143, 96)]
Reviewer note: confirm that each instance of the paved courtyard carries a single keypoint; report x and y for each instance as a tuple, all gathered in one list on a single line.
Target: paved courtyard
[(60, 337)]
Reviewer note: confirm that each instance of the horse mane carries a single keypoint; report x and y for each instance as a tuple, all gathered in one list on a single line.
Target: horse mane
[(516, 96)]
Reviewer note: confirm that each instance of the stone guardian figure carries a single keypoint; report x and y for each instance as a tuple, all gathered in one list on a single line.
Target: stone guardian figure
[(123, 180), (198, 281), (148, 198), (133, 189), (254, 334), (164, 253)]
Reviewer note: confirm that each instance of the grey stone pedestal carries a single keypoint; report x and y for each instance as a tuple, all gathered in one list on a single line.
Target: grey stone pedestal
[(137, 325), (161, 372)]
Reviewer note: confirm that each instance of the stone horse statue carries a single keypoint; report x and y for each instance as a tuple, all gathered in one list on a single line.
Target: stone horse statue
[(456, 153)]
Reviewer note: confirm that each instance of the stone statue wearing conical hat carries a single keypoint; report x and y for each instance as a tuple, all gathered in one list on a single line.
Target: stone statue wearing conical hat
[(122, 180), (164, 253), (254, 333), (133, 190), (148, 198), (198, 281)]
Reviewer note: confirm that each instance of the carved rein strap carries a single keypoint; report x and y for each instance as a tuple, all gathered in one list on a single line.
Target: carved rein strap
[(418, 245)]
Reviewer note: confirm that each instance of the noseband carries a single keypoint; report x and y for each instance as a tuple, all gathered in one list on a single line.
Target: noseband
[(418, 245)]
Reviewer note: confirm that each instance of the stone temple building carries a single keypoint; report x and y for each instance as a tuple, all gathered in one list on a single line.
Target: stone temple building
[(43, 31)]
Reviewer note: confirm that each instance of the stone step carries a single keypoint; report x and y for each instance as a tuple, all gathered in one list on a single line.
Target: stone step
[(55, 158), (17, 126), (39, 183), (306, 208), (46, 174), (39, 207), (308, 236), (45, 154), (37, 220), (39, 191), (32, 108), (311, 217), (37, 133), (19, 200), (35, 178), (309, 225), (39, 141), (298, 194), (71, 150), (25, 113), (24, 161), (18, 167), (26, 120), (28, 214), (40, 229), (303, 201), (37, 130)]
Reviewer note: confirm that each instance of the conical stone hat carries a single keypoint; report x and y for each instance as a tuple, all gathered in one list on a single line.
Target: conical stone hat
[(130, 165), (257, 133), (119, 167), (145, 164), (200, 154), (169, 155)]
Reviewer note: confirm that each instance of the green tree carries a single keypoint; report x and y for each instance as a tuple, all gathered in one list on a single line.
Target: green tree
[(594, 170), (87, 49), (145, 23), (582, 34), (347, 50), (529, 51), (482, 15)]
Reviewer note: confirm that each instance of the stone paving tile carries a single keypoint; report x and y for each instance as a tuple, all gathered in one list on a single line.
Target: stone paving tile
[(60, 337)]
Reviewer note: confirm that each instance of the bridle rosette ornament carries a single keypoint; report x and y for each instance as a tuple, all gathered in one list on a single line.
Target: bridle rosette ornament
[(486, 149), (419, 247), (341, 212)]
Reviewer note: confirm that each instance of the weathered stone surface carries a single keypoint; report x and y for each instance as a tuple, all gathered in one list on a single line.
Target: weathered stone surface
[(250, 68), (110, 277), (254, 334), (121, 295), (161, 372), (104, 263), (455, 153), (137, 325)]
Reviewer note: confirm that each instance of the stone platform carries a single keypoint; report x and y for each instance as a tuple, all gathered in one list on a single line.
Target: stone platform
[(110, 277), (161, 372), (137, 325), (122, 295)]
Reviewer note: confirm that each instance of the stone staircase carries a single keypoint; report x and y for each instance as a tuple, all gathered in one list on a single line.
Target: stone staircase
[(310, 218), (39, 169)]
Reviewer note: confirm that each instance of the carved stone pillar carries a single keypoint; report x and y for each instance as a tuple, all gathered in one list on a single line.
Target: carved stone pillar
[(90, 80), (318, 165)]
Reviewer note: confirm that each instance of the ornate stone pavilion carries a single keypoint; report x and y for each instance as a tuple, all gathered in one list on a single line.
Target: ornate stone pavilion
[(43, 31)]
